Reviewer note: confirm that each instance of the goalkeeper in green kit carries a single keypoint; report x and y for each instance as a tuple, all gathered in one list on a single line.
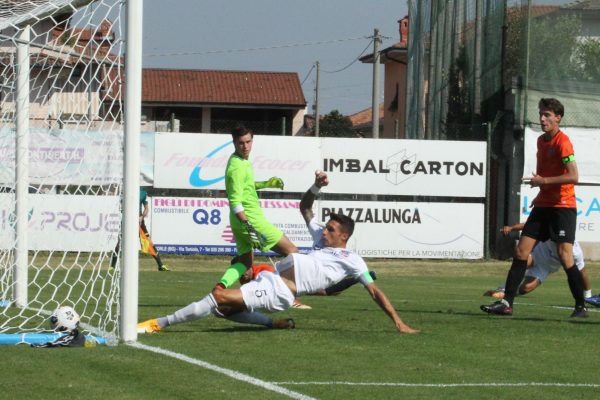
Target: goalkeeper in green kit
[(248, 223)]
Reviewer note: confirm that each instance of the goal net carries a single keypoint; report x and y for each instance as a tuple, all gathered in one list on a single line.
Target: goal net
[(61, 146)]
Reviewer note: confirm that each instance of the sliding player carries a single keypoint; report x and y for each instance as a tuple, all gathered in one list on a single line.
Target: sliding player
[(296, 275)]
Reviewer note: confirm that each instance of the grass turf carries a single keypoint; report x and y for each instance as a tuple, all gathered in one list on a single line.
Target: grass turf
[(342, 342)]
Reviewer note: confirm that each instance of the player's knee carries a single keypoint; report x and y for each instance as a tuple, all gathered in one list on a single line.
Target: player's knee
[(219, 295), (521, 253), (525, 288)]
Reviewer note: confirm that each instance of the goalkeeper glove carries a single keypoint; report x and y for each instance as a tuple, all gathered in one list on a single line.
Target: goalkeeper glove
[(273, 183), (257, 240)]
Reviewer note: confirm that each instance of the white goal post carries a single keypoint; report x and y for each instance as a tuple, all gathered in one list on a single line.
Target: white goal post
[(69, 176)]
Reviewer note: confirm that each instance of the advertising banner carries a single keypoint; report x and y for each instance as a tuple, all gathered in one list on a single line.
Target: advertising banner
[(588, 210), (412, 230), (191, 225), (405, 167), (356, 166), (389, 230), (586, 144), (73, 157), (198, 161), (67, 223)]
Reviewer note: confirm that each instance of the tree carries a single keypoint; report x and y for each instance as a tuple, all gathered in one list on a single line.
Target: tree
[(335, 124), (587, 55)]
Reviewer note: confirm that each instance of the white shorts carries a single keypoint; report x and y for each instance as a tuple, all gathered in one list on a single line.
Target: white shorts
[(546, 262), (267, 292)]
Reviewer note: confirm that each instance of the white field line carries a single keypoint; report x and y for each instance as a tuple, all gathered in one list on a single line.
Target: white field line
[(446, 385), (228, 372)]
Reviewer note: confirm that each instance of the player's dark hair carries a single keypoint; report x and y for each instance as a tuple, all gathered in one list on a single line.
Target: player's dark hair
[(240, 130), (553, 105), (345, 222)]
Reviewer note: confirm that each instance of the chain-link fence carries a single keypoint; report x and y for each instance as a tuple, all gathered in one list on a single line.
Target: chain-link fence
[(472, 59)]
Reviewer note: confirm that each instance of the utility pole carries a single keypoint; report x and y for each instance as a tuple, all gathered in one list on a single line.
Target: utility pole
[(317, 101), (375, 105)]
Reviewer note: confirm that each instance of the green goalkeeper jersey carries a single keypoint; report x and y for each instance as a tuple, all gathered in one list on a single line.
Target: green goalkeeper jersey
[(241, 191)]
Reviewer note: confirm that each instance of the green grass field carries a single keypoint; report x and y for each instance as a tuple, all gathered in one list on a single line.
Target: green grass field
[(344, 348)]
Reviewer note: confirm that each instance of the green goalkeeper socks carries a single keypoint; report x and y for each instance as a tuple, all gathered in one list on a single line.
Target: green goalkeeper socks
[(233, 274)]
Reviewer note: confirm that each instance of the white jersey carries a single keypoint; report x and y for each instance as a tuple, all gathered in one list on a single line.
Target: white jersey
[(546, 261), (325, 266)]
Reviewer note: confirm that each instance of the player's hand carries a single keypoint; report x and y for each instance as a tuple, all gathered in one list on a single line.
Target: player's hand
[(246, 277), (534, 181), (506, 230), (321, 179), (257, 240), (275, 183)]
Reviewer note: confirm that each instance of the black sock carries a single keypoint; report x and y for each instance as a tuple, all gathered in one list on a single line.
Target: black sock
[(576, 285), (513, 279), (158, 260)]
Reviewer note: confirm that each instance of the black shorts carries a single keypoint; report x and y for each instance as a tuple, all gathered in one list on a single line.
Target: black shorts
[(556, 224)]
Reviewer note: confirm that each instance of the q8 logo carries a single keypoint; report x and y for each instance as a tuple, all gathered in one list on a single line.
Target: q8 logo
[(202, 217)]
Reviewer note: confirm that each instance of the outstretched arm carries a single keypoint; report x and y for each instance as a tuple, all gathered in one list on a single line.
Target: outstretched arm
[(509, 228), (383, 302), (311, 194), (273, 183)]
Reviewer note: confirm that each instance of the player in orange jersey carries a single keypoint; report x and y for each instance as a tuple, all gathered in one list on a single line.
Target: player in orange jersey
[(554, 214)]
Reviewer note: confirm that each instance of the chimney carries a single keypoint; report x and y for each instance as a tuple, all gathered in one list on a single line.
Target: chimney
[(403, 32)]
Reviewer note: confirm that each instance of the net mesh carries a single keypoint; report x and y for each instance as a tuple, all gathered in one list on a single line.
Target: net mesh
[(471, 61), (74, 158)]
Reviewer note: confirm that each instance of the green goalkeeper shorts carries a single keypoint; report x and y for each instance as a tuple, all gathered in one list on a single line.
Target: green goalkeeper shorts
[(261, 225)]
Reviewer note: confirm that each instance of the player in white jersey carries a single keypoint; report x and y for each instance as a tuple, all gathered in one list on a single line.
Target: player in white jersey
[(542, 262), (296, 275)]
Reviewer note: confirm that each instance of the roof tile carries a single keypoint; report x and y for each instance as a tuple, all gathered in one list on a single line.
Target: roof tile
[(221, 87)]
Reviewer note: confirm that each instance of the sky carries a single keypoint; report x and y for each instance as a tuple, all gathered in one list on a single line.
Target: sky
[(276, 35)]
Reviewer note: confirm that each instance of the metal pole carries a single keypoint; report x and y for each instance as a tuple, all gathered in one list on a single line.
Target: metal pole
[(477, 62), (317, 100), (525, 87), (22, 169), (486, 228), (375, 105), (131, 172)]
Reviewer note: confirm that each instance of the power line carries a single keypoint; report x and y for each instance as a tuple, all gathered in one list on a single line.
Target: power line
[(225, 51), (352, 62), (307, 74)]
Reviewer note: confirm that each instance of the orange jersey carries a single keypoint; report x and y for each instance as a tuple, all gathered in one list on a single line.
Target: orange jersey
[(552, 159)]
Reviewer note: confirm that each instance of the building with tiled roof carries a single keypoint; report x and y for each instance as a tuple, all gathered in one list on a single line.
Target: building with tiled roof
[(214, 101), (362, 121)]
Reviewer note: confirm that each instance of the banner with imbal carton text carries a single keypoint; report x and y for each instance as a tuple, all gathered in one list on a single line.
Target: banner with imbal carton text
[(355, 166)]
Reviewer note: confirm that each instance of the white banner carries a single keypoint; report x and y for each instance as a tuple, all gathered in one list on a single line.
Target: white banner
[(365, 166), (198, 161), (586, 143), (67, 223), (405, 167), (390, 230), (412, 230), (187, 225), (73, 157), (588, 210)]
